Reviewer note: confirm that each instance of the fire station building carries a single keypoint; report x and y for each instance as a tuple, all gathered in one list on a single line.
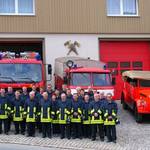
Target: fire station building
[(116, 32)]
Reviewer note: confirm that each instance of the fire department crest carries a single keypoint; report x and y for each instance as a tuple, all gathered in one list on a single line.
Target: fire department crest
[(72, 47)]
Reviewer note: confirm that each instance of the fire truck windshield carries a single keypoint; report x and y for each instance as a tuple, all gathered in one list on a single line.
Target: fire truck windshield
[(20, 73), (88, 79), (101, 79), (144, 83), (81, 79)]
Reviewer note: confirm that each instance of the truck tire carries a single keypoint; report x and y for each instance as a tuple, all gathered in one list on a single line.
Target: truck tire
[(138, 116), (124, 105)]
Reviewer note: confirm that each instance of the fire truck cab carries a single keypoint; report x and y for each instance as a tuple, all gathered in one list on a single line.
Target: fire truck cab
[(18, 70), (84, 73), (136, 92)]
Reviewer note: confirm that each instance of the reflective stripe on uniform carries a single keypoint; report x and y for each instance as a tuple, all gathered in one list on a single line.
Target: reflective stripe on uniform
[(97, 121), (28, 119), (62, 121), (20, 114), (87, 121), (75, 120), (5, 115), (55, 121), (48, 119), (106, 122)]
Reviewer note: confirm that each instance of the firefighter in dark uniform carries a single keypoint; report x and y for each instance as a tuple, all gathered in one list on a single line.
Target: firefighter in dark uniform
[(41, 93), (69, 95), (17, 111), (4, 111), (64, 89), (90, 93), (76, 117), (31, 111), (24, 97), (86, 117), (38, 98), (10, 96), (49, 90), (102, 103), (63, 113), (80, 94), (54, 116), (45, 115), (57, 93), (97, 118), (24, 94), (110, 118)]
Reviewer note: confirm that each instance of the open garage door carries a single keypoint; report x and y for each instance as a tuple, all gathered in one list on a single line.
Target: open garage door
[(18, 46), (124, 55)]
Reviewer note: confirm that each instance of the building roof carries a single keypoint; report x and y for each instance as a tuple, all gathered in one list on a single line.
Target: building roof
[(137, 74)]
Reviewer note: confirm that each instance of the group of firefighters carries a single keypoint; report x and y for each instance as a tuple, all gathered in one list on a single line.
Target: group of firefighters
[(83, 114)]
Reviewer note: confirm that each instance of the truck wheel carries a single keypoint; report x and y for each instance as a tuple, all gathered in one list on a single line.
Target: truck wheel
[(138, 116), (124, 105)]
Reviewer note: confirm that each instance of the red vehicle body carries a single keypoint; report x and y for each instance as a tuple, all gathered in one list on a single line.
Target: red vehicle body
[(19, 72), (136, 92), (85, 76)]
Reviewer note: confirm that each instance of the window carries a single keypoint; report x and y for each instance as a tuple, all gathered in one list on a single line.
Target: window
[(137, 64), (125, 64), (112, 64), (25, 73), (122, 7), (16, 7), (101, 79), (81, 79), (144, 83)]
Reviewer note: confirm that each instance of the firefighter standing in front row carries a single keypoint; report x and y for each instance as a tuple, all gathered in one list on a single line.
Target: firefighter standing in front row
[(45, 115), (97, 118), (63, 113), (4, 111), (76, 116), (31, 111), (86, 117), (17, 111), (55, 121), (110, 118), (24, 97), (10, 97)]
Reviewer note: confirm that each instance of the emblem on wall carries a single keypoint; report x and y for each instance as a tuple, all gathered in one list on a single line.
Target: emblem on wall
[(72, 47)]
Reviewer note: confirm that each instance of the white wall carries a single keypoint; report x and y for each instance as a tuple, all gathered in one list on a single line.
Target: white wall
[(54, 47)]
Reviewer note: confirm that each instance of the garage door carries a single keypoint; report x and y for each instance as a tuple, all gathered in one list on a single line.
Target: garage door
[(124, 55), (22, 46)]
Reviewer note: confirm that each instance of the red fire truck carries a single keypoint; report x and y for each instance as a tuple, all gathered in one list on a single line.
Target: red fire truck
[(136, 93), (84, 73), (21, 70)]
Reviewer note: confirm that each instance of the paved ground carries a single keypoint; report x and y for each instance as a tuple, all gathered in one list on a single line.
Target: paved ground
[(23, 147), (131, 136)]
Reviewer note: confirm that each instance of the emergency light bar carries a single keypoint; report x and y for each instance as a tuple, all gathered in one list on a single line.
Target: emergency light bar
[(7, 55), (24, 55)]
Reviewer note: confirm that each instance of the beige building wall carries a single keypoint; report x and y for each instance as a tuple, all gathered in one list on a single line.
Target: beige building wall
[(76, 16)]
